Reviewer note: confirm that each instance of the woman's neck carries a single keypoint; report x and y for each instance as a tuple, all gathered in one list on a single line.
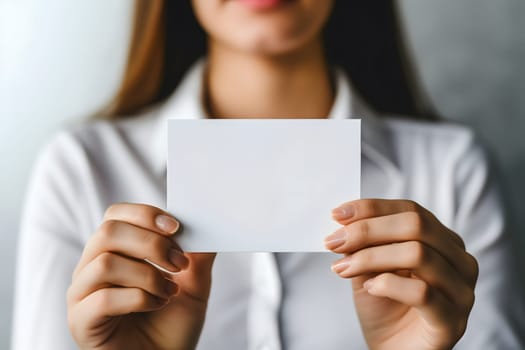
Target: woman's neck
[(240, 85)]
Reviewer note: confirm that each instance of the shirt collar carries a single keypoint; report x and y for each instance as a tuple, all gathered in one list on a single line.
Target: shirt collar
[(187, 103)]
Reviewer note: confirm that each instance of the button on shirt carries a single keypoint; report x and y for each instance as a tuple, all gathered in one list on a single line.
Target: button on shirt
[(261, 300)]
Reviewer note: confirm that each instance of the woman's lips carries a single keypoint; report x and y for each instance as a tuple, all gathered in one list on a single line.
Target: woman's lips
[(262, 4)]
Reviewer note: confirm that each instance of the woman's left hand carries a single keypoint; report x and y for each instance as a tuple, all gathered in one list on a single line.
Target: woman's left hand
[(413, 281)]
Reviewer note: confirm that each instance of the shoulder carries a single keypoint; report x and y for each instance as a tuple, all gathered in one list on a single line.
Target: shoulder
[(446, 168), (82, 157), (430, 133), (99, 140), (79, 167), (443, 144), (103, 133)]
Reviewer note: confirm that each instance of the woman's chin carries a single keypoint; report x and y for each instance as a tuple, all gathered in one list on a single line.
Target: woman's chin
[(269, 45)]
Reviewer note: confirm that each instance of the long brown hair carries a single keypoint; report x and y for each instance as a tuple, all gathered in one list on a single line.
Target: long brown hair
[(362, 37)]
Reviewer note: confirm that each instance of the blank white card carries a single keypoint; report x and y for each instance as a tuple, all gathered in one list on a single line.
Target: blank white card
[(263, 185)]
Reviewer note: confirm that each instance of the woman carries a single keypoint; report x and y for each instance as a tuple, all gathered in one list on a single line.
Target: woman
[(412, 280)]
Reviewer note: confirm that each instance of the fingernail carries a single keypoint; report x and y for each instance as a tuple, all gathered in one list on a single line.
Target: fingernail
[(342, 213), (170, 287), (167, 223), (336, 239), (368, 284), (177, 258), (340, 267)]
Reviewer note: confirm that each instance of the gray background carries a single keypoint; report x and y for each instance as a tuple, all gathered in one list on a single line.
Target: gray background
[(61, 60)]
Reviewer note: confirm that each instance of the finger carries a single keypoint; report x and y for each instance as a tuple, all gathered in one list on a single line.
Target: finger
[(97, 307), (197, 275), (135, 242), (420, 259), (432, 305), (401, 227), (110, 270), (145, 216), (361, 209)]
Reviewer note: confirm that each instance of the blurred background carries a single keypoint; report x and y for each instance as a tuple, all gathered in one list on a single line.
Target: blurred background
[(61, 60)]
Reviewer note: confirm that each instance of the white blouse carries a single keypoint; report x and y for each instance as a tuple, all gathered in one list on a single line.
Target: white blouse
[(263, 300)]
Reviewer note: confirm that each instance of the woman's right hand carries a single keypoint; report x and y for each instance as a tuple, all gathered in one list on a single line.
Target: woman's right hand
[(117, 300)]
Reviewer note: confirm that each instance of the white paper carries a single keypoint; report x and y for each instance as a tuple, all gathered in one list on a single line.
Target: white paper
[(264, 185)]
